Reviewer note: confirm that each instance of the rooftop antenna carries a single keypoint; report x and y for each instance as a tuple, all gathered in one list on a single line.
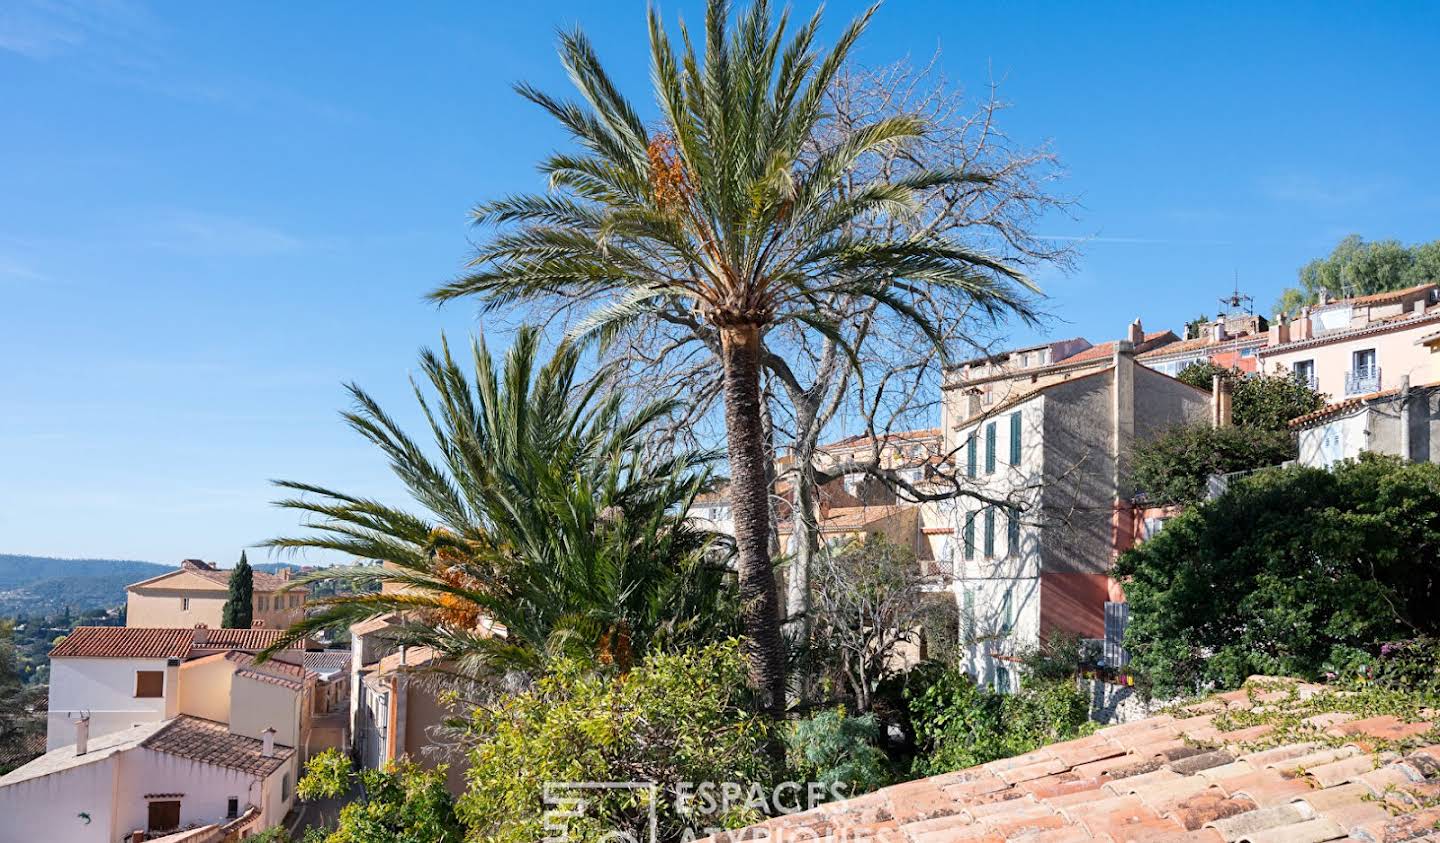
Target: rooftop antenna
[(1237, 303)]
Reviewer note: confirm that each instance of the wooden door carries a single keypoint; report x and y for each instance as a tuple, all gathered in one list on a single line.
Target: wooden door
[(164, 816)]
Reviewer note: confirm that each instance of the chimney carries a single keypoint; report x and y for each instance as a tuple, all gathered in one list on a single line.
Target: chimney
[(1135, 334), (284, 574), (972, 403), (1302, 328), (1405, 413), (202, 635), (82, 735), (267, 743), (1324, 296), (1122, 414), (1220, 401), (1279, 330), (1420, 304), (138, 836), (1217, 331)]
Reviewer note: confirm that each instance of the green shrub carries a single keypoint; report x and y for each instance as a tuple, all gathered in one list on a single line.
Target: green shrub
[(674, 718), (840, 752), (959, 724), (1292, 572), (403, 802), (1412, 666)]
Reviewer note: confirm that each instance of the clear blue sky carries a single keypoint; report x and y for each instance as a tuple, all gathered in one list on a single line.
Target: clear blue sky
[(212, 214)]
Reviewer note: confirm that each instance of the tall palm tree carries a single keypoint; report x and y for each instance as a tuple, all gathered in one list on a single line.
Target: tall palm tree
[(542, 514), (719, 207)]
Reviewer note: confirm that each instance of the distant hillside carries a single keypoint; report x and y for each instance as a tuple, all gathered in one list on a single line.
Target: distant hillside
[(34, 585)]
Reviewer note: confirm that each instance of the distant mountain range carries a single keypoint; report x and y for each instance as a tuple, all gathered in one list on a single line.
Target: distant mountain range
[(39, 585)]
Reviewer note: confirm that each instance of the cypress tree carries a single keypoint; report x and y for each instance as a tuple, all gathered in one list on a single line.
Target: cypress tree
[(239, 607)]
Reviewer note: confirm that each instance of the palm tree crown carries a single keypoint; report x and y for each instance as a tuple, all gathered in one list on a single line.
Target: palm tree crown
[(544, 517)]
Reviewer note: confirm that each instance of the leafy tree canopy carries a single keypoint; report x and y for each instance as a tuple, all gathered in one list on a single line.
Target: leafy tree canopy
[(402, 802), (1174, 467), (1262, 401), (1295, 572), (1358, 267)]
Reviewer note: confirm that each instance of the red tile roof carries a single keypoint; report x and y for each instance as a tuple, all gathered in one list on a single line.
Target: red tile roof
[(121, 642), (1105, 350), (1391, 295), (1247, 765), (138, 642), (213, 743), (263, 582), (1339, 407)]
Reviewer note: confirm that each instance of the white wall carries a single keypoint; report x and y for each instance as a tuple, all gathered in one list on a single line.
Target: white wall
[(49, 808), (106, 689), (1337, 439), (205, 789)]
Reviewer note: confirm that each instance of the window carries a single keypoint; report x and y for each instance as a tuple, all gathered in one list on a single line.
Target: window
[(989, 532), (1015, 438), (1007, 618), (285, 787), (970, 457), (163, 816), (1002, 679), (184, 604), (1305, 371), (969, 535), (262, 603), (232, 808), (1012, 536), (149, 684), (969, 619), (1364, 363), (294, 601), (990, 448)]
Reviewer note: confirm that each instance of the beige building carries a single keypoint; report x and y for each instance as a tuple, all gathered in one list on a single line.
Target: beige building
[(1358, 346), (195, 593)]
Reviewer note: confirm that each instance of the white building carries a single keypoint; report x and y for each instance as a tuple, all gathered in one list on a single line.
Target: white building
[(120, 677), (1403, 422), (1047, 503), (160, 776)]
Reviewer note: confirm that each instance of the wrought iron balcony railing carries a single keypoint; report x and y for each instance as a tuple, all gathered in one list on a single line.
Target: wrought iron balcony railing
[(1362, 381)]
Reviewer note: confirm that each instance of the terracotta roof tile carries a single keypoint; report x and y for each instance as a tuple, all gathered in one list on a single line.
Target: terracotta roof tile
[(213, 743), (124, 642), (1143, 782)]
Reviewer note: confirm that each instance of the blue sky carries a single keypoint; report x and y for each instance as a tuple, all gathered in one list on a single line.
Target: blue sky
[(214, 214)]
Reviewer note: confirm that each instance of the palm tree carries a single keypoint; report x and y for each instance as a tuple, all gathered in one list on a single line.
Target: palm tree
[(721, 208), (543, 515)]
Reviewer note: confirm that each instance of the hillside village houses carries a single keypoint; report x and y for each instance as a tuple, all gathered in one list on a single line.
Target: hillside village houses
[(171, 722), (195, 594)]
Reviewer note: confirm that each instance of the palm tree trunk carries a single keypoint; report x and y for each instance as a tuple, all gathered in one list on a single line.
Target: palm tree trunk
[(750, 506)]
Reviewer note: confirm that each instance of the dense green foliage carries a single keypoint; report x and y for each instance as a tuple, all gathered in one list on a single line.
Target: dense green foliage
[(544, 511), (401, 804), (1358, 267), (1261, 401), (19, 725), (1412, 666), (840, 752), (239, 611), (1292, 572), (674, 718), (33, 636), (959, 724), (42, 585), (1174, 467)]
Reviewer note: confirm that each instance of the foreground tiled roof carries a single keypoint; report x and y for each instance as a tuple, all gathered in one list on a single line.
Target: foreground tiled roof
[(1278, 762), (212, 743)]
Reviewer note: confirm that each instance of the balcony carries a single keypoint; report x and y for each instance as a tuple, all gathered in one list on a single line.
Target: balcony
[(1362, 382)]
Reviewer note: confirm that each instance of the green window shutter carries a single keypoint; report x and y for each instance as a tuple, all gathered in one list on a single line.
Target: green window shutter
[(1006, 610), (1013, 529), (969, 535), (970, 456), (1015, 438), (1002, 680), (989, 532), (990, 448), (969, 619)]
